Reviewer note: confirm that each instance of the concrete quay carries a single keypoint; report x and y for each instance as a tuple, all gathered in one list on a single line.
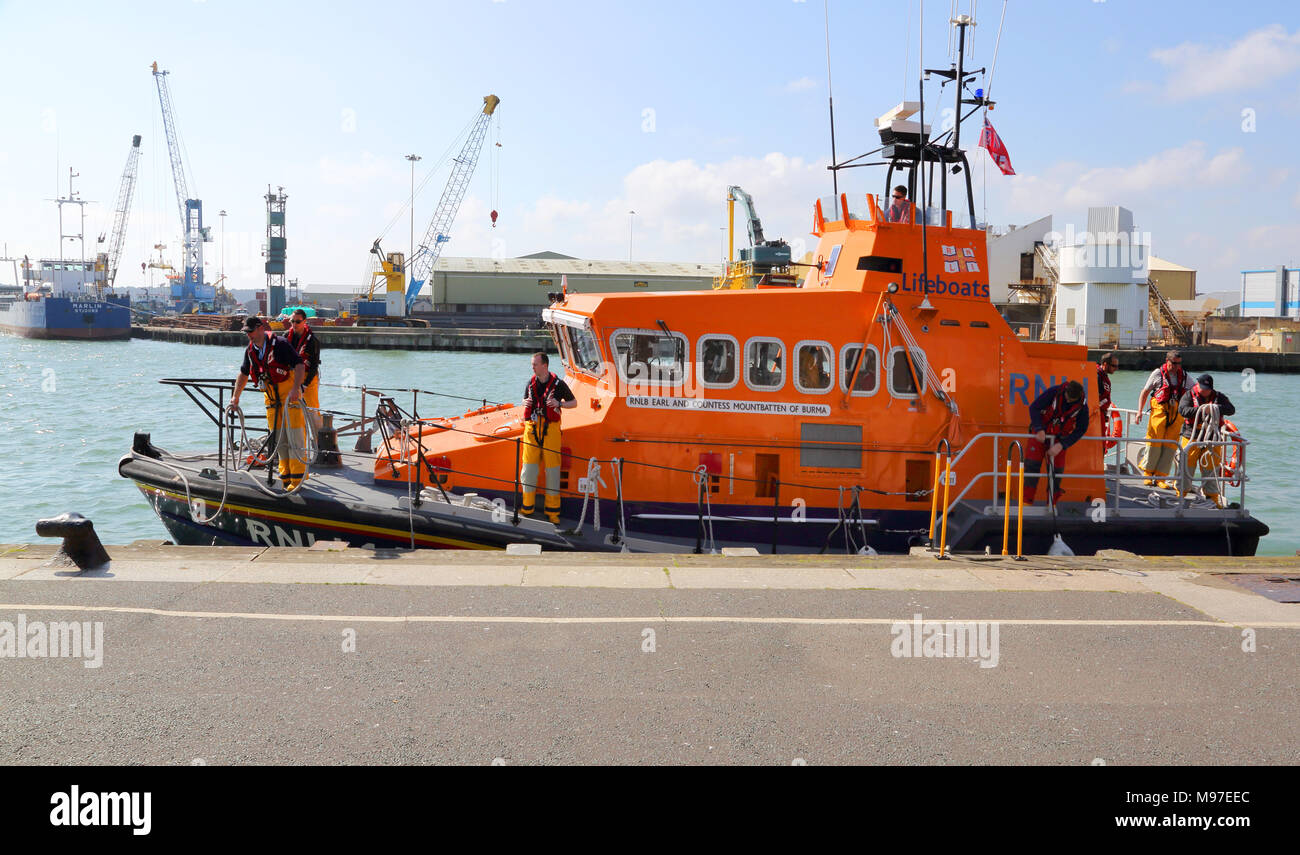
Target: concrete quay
[(319, 656), (377, 338), (1202, 359)]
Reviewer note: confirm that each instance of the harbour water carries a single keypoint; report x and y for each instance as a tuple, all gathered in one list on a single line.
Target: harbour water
[(68, 411)]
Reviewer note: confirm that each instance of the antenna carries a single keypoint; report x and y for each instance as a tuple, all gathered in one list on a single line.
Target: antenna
[(830, 96), (920, 168)]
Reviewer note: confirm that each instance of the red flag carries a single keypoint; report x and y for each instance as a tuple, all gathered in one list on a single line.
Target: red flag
[(990, 141)]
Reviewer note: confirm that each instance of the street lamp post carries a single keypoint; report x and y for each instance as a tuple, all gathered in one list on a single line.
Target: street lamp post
[(413, 158), (630, 217), (222, 214)]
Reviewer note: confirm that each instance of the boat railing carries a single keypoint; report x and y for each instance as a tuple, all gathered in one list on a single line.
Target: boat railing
[(1186, 481)]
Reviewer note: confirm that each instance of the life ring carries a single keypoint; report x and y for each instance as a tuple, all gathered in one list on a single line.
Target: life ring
[(1232, 461), (1116, 429)]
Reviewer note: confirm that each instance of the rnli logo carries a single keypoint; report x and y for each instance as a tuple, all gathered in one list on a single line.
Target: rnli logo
[(1018, 386)]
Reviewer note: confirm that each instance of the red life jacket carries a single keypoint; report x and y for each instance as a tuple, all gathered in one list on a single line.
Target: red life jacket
[(536, 396), (273, 370), (1103, 389), (1058, 418), (300, 341), (1171, 384)]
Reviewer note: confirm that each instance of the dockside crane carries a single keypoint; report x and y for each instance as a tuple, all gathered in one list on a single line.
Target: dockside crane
[(191, 288), (438, 233), (107, 261), (763, 262), (400, 278)]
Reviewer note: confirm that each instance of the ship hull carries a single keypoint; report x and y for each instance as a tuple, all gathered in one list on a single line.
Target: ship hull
[(210, 513), (69, 318)]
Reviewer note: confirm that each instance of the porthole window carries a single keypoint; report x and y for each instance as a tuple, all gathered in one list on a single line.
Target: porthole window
[(764, 364), (866, 379), (719, 361), (815, 361), (650, 357), (901, 382)]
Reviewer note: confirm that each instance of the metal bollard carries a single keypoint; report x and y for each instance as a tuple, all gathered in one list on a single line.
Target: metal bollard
[(80, 546)]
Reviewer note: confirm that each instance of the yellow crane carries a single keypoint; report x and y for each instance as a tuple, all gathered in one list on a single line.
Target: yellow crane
[(764, 263)]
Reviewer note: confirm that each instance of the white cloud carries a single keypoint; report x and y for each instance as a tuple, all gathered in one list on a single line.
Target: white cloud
[(1252, 61), (803, 84), (1282, 236), (680, 207), (1175, 167)]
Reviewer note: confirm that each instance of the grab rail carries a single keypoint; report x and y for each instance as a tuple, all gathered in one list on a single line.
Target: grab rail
[(934, 490), (1020, 504)]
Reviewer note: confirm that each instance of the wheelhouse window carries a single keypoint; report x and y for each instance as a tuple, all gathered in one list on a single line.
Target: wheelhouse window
[(560, 334), (719, 361), (815, 361), (866, 381), (584, 351), (901, 382), (764, 364), (650, 356)]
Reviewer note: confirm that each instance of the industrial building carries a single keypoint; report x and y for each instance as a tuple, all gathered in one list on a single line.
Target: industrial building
[(1174, 281), (520, 285), (1102, 293), (1271, 293), (1017, 269)]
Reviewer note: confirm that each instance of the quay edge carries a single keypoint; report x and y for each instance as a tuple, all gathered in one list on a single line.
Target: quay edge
[(354, 338)]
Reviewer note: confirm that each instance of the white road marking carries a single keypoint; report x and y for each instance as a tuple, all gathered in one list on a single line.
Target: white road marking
[(610, 619)]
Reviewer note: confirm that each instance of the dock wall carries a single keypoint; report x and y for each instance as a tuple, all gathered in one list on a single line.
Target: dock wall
[(361, 338)]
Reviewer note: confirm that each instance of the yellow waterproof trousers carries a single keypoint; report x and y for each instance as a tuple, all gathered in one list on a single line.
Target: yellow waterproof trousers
[(311, 397), (289, 439), (547, 453), (1165, 423), (1204, 461)]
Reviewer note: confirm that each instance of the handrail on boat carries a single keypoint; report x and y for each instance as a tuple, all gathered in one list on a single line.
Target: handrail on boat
[(1117, 476), (1020, 503)]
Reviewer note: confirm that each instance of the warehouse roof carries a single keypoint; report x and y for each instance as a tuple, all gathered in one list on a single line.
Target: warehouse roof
[(557, 265), (1162, 264)]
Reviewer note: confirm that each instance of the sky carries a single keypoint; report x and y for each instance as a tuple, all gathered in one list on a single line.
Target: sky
[(1187, 112)]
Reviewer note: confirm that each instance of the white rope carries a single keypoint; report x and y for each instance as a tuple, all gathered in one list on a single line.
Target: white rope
[(410, 465), (1207, 427), (618, 486), (593, 484), (231, 453), (701, 479), (931, 378)]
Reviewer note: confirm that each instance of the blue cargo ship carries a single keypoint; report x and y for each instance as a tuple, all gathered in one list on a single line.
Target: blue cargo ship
[(65, 300)]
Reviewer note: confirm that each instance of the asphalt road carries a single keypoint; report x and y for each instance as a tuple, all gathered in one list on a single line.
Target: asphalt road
[(227, 673)]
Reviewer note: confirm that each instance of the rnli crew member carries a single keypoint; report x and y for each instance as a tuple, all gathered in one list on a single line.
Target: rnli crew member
[(1057, 419), (1208, 459), (272, 361), (304, 341), (1109, 365), (901, 209), (1165, 388), (544, 397)]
